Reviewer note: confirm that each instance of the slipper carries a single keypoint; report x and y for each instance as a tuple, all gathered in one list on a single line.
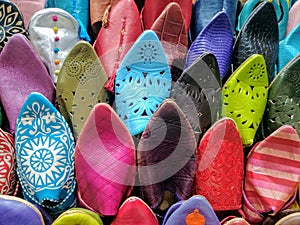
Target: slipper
[(11, 22), (234, 221), (258, 35), (220, 166), (8, 176), (104, 162), (17, 211), (29, 7), (80, 85), (78, 216), (171, 31), (134, 211), (53, 32), (294, 18), (195, 210), (198, 93), (152, 11), (290, 219), (79, 9), (45, 155), (217, 38), (117, 36), (18, 78), (166, 157), (245, 96), (288, 48), (271, 220), (272, 174), (143, 81), (98, 13), (283, 100), (203, 12), (282, 14)]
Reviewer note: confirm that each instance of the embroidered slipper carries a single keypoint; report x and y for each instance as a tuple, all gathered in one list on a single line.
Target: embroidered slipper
[(234, 221), (151, 12), (195, 210), (217, 38), (8, 176), (104, 161), (282, 13), (117, 36), (294, 18), (22, 72), (245, 96), (288, 48), (79, 9), (17, 211), (45, 155), (11, 22), (166, 157), (272, 174), (203, 12), (80, 85), (258, 35), (143, 81), (53, 32), (220, 167), (78, 216), (283, 100), (173, 35), (134, 211), (29, 7), (198, 93)]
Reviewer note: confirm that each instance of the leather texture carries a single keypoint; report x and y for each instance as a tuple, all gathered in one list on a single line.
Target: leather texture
[(282, 13), (8, 175), (45, 155), (152, 10), (196, 202), (283, 100), (220, 166), (16, 211), (78, 216), (53, 32), (11, 22), (203, 12), (292, 219), (245, 96), (21, 73), (167, 142), (198, 93), (236, 221), (271, 175), (294, 17), (271, 220), (143, 81), (259, 35), (28, 8), (289, 48), (171, 31), (80, 85), (116, 38), (104, 162), (217, 38), (134, 211)]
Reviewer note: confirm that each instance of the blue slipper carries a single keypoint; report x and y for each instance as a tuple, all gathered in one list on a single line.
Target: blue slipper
[(217, 38), (45, 155), (142, 82)]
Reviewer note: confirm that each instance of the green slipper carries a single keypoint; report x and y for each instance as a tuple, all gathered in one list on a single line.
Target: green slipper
[(245, 96), (284, 97), (80, 85)]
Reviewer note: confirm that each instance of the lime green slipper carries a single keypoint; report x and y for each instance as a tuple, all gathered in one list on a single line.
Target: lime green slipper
[(245, 96)]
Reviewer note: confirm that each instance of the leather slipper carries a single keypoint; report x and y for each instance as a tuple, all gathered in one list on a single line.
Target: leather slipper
[(294, 18), (80, 85), (143, 81), (104, 162)]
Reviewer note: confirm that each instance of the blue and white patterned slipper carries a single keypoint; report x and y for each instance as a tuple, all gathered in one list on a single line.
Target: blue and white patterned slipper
[(143, 81), (45, 155)]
